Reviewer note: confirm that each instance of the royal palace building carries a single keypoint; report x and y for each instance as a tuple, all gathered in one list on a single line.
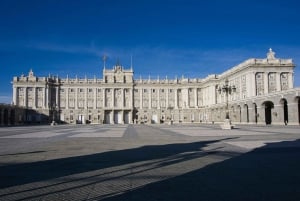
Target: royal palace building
[(261, 91)]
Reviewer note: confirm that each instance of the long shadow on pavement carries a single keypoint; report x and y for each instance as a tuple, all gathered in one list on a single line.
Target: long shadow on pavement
[(268, 173), (18, 174)]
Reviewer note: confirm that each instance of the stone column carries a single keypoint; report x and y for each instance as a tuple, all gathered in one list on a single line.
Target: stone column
[(251, 85), (261, 115), (15, 95), (158, 98), (76, 98), (34, 98), (122, 99), (112, 117), (141, 98), (86, 98), (25, 97), (278, 86), (122, 116), (67, 98), (57, 97), (103, 98), (130, 117), (46, 93), (266, 83), (113, 97), (293, 113), (251, 113), (195, 97), (278, 114), (131, 98), (176, 97), (290, 80), (95, 98), (167, 98), (150, 98)]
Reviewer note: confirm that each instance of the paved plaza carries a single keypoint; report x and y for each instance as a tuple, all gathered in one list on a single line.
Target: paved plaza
[(150, 162)]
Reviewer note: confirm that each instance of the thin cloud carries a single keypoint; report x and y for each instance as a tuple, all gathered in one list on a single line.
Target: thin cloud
[(5, 99)]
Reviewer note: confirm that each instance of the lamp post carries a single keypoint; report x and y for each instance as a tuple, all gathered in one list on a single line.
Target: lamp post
[(227, 89)]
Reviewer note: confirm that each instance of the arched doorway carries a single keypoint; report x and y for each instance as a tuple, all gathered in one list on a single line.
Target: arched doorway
[(268, 111), (283, 102)]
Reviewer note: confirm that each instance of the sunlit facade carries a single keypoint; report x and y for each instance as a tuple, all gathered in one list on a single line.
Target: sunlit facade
[(264, 94)]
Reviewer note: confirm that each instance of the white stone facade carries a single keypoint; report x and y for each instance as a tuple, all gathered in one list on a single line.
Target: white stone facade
[(263, 88)]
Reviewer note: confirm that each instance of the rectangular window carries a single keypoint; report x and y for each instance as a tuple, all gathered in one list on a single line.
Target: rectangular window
[(90, 90)]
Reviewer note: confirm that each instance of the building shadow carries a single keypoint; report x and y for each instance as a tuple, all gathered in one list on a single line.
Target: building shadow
[(18, 174), (268, 173)]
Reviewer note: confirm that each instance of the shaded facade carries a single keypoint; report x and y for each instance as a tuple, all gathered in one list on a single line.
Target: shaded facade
[(11, 115), (264, 95)]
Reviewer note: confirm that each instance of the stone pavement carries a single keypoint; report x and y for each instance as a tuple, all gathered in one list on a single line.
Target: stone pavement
[(149, 162)]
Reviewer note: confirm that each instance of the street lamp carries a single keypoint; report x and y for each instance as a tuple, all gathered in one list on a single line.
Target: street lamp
[(227, 89)]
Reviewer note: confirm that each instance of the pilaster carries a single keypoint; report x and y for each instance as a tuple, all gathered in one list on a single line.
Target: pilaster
[(67, 98), (15, 95), (86, 98), (176, 97), (25, 97), (278, 86), (266, 83), (34, 97), (95, 98), (293, 114), (150, 98), (76, 98), (104, 99), (195, 97)]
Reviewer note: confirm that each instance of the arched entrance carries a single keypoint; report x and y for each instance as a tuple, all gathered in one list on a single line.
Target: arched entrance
[(268, 111), (283, 102)]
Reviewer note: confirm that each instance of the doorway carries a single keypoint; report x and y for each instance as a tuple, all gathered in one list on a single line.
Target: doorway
[(268, 112)]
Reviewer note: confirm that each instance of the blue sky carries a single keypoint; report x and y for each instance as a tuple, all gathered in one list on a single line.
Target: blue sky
[(165, 37)]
